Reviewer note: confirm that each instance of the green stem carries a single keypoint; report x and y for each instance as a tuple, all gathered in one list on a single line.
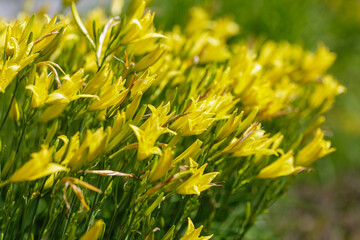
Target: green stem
[(11, 102), (36, 207)]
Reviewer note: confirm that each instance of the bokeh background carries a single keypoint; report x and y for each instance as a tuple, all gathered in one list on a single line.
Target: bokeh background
[(323, 204)]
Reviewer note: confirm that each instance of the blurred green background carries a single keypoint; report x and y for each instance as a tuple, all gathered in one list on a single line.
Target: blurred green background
[(324, 204)]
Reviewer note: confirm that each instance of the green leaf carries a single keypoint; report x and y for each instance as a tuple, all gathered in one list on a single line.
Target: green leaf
[(80, 25)]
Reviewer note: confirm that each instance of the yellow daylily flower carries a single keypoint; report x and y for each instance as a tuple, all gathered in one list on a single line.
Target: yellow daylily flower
[(14, 110), (48, 33), (142, 83), (111, 95), (101, 78), (283, 166), (52, 112), (253, 141), (325, 93), (22, 57), (90, 148), (139, 25), (314, 150), (189, 152), (316, 64), (194, 234), (150, 59), (150, 131), (230, 126), (198, 182), (196, 119), (41, 89), (40, 165), (95, 231), (69, 89), (147, 139), (162, 165)]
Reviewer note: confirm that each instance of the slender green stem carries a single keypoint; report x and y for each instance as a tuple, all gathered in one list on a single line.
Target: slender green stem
[(8, 110), (35, 209)]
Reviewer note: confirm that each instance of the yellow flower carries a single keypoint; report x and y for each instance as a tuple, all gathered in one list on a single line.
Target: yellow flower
[(230, 126), (140, 26), (40, 165), (150, 59), (52, 112), (41, 89), (95, 231), (316, 64), (162, 165), (253, 141), (189, 152), (325, 93), (192, 233), (283, 166), (118, 131), (91, 147), (196, 119), (314, 150), (151, 130), (48, 33), (14, 110), (142, 83), (22, 57), (101, 78), (68, 90), (198, 182), (111, 95)]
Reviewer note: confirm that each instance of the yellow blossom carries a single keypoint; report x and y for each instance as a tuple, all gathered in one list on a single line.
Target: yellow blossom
[(90, 148), (325, 93), (189, 152), (192, 233), (143, 83), (230, 126), (111, 95), (14, 110), (162, 165), (150, 59), (196, 120), (198, 182), (48, 33), (22, 57), (139, 26), (52, 112), (101, 78), (95, 231), (41, 89), (314, 150), (253, 141), (150, 131), (283, 166), (68, 90), (40, 165)]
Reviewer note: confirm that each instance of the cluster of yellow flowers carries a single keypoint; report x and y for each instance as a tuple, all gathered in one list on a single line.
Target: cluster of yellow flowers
[(79, 91)]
